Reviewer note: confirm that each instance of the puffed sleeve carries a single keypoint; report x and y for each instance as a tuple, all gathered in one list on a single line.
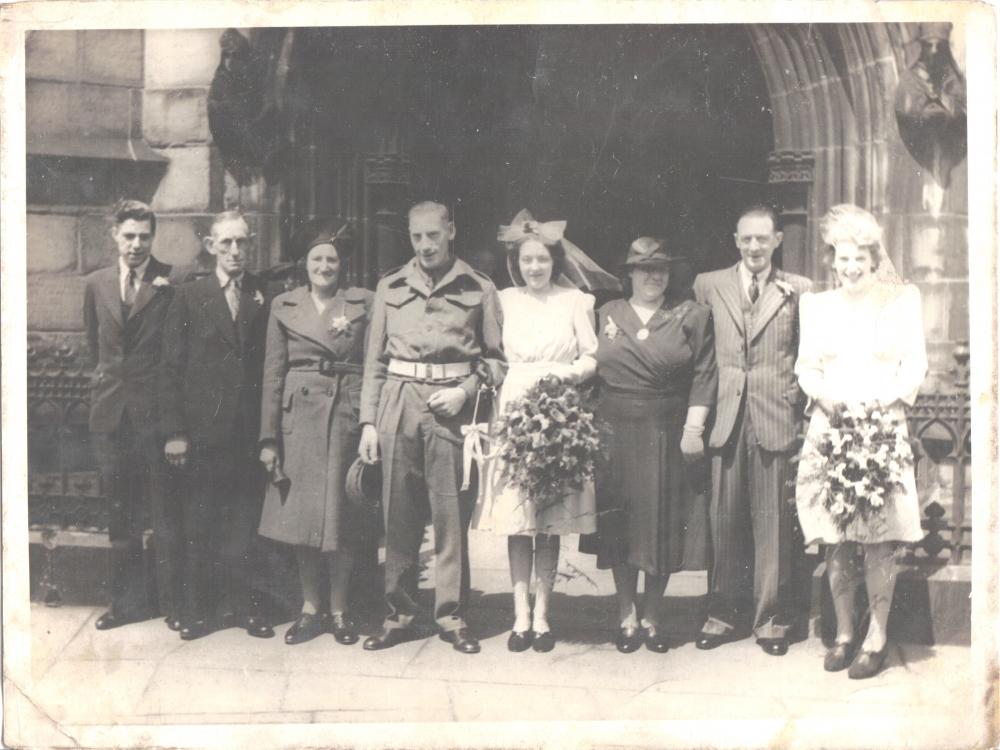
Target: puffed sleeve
[(273, 381), (911, 363), (701, 338), (585, 364), (809, 365)]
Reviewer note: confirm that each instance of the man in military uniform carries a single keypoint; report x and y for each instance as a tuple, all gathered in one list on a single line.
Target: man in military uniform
[(434, 338)]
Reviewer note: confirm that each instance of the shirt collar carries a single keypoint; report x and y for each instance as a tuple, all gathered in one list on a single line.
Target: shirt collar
[(762, 276), (420, 280), (224, 277), (140, 271)]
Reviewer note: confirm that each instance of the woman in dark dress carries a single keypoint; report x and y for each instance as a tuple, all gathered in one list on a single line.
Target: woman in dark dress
[(658, 380), (309, 430)]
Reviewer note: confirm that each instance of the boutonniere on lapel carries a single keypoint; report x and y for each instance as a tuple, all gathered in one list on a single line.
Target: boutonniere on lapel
[(611, 329), (258, 297), (786, 289), (340, 324), (161, 282)]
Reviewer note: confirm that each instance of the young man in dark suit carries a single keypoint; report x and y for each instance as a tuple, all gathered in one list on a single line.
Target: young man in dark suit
[(124, 309), (213, 346)]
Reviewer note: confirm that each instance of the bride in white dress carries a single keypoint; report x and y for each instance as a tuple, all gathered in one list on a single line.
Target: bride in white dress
[(861, 342), (548, 329)]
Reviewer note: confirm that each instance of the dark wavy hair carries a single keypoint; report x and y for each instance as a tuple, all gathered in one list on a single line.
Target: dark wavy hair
[(135, 210), (556, 251)]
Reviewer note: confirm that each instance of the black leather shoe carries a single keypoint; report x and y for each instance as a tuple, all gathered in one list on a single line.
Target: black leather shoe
[(629, 639), (306, 627), (656, 641), (110, 620), (867, 664), (839, 657), (388, 638), (773, 646), (708, 641), (544, 642), (174, 623), (256, 627), (195, 629), (343, 628), (519, 642), (462, 640)]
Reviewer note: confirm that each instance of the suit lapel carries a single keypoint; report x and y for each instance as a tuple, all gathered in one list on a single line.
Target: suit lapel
[(249, 293), (217, 307), (768, 304), (731, 295), (305, 320), (110, 293), (146, 289)]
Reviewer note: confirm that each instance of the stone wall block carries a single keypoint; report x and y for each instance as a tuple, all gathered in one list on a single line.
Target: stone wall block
[(181, 58), (188, 183), (52, 55), (178, 239), (97, 248), (176, 117), (101, 111), (56, 302), (112, 56), (51, 243), (48, 106)]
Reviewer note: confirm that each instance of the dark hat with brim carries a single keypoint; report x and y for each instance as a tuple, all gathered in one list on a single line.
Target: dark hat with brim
[(315, 233), (363, 485), (648, 252)]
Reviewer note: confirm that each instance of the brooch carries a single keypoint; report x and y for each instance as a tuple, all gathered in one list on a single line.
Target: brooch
[(258, 297), (340, 324), (160, 282), (611, 329)]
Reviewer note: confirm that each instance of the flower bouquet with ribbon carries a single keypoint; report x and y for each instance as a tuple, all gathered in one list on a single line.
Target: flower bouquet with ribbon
[(865, 456), (548, 442)]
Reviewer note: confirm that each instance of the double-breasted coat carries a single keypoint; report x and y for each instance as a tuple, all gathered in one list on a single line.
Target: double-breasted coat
[(310, 410)]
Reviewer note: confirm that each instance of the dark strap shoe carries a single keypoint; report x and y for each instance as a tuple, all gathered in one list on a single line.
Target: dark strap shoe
[(867, 664), (629, 639), (773, 646), (839, 657), (306, 627), (462, 640), (656, 640), (343, 628), (174, 623), (519, 642), (387, 638), (544, 642)]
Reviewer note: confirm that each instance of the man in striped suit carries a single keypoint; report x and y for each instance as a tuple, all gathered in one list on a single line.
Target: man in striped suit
[(753, 439)]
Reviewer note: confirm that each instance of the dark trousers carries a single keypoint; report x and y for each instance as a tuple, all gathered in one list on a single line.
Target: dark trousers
[(133, 476), (754, 548), (422, 474), (220, 508)]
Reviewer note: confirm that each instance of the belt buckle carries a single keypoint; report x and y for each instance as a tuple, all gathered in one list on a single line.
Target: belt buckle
[(428, 371), (325, 367)]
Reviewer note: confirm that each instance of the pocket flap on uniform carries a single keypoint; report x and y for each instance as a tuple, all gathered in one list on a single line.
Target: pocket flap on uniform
[(399, 296), (467, 299)]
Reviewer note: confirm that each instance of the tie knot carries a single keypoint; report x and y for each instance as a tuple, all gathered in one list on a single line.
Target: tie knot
[(131, 275), (754, 277), (234, 283)]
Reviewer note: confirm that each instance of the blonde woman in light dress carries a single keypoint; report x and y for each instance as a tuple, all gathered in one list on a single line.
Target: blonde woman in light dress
[(548, 330), (861, 342)]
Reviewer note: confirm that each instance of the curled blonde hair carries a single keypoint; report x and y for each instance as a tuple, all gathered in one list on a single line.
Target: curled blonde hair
[(849, 223)]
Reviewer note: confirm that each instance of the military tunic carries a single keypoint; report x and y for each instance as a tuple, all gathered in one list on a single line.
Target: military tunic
[(457, 320)]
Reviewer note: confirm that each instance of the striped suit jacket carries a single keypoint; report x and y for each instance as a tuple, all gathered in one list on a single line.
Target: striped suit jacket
[(757, 364)]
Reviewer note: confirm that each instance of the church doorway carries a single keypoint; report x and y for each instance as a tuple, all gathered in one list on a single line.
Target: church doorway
[(620, 130)]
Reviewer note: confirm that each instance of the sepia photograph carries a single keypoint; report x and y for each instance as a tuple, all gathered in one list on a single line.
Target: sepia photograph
[(454, 374)]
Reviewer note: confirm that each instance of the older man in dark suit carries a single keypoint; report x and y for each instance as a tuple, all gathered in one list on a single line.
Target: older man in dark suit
[(213, 346), (123, 311), (754, 437)]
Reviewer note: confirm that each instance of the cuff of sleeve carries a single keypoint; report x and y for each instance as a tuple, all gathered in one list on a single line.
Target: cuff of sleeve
[(470, 385)]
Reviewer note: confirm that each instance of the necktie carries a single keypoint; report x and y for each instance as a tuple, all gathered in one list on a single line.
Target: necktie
[(754, 289), (233, 296), (129, 298)]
